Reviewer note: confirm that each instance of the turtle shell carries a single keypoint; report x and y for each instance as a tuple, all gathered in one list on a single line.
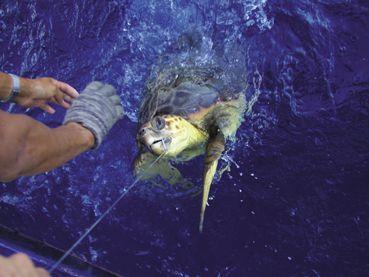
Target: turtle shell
[(184, 92)]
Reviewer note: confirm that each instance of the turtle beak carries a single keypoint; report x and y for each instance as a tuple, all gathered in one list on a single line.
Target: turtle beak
[(143, 136), (152, 141), (141, 133)]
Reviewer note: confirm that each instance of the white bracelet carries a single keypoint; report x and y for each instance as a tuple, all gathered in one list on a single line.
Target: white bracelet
[(15, 88)]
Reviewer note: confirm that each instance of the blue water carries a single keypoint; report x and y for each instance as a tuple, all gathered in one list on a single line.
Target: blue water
[(295, 202)]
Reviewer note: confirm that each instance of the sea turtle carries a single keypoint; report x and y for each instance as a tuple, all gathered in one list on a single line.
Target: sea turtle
[(186, 112)]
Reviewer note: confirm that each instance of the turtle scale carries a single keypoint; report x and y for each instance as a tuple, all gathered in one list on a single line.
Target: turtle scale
[(186, 99), (192, 93)]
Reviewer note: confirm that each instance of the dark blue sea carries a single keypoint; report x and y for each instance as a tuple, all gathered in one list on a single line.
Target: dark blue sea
[(296, 199)]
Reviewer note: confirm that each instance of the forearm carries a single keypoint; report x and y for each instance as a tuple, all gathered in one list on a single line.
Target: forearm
[(29, 147), (46, 148), (27, 86), (5, 86)]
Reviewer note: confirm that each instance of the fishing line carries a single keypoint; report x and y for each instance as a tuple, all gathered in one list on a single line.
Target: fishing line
[(102, 216)]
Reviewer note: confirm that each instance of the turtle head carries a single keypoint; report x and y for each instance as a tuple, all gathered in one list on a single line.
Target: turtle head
[(168, 134)]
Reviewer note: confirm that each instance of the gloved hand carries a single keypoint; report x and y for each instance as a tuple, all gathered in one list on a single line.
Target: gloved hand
[(97, 108)]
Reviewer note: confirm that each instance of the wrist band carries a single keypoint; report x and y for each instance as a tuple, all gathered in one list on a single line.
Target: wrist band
[(15, 88)]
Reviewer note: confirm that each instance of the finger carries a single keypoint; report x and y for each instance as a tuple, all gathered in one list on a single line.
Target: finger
[(119, 111), (95, 85), (23, 264), (108, 90), (67, 98), (67, 89), (42, 272), (47, 108), (115, 99), (65, 105), (59, 99)]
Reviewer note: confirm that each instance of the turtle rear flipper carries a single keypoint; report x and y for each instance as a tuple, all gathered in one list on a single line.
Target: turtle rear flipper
[(214, 150)]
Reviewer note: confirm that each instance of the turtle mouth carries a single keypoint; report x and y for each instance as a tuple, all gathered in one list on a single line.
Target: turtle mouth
[(157, 141), (160, 144)]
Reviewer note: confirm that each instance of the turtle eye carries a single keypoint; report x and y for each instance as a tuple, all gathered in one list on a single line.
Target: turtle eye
[(159, 123)]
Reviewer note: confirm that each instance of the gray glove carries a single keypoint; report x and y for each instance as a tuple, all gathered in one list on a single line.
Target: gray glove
[(97, 108)]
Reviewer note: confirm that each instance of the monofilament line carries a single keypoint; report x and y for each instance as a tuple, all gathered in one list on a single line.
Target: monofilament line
[(102, 216)]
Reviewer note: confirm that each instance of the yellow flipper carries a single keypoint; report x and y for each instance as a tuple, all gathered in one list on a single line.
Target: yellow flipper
[(208, 179), (163, 168), (214, 150)]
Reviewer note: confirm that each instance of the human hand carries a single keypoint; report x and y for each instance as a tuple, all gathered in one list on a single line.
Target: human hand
[(97, 109), (38, 92), (20, 265)]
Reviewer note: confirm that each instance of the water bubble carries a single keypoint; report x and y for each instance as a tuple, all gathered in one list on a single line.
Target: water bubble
[(293, 211), (93, 254), (250, 23)]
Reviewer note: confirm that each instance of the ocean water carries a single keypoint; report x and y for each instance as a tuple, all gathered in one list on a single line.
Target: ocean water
[(296, 199)]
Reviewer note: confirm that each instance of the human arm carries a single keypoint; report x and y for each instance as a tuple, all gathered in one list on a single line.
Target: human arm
[(28, 147), (38, 92), (20, 265)]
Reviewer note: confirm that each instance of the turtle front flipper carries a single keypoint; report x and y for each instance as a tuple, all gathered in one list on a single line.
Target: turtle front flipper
[(145, 167), (214, 150)]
